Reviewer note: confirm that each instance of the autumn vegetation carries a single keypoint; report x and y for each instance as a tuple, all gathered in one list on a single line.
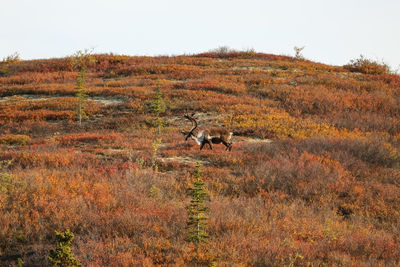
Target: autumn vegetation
[(324, 192)]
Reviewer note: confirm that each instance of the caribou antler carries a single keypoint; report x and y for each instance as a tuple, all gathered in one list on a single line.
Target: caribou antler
[(194, 125)]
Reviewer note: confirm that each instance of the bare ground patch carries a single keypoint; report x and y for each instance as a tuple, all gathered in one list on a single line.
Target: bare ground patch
[(184, 160), (25, 97)]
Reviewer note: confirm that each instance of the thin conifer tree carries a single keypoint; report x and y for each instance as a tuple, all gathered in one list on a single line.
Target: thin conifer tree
[(158, 107), (197, 222), (62, 255), (81, 60), (81, 94)]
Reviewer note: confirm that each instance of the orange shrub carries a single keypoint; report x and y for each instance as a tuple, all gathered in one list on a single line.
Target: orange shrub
[(367, 66), (15, 139), (77, 139)]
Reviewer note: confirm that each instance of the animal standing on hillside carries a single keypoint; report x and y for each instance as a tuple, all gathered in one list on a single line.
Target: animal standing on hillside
[(208, 136)]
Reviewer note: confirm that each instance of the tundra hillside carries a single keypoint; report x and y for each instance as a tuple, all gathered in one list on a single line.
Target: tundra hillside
[(312, 179)]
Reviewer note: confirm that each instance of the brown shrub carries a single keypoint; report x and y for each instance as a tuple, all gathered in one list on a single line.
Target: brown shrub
[(367, 66)]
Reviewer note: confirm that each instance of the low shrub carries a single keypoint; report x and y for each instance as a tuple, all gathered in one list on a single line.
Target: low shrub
[(15, 139), (367, 66)]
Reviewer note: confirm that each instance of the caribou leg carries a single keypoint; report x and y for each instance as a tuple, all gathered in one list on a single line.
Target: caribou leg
[(209, 143), (226, 145), (202, 144)]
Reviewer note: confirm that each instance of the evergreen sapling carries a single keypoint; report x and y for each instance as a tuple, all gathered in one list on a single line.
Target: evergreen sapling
[(196, 209)]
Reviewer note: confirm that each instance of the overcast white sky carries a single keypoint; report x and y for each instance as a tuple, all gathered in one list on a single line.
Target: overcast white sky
[(332, 32)]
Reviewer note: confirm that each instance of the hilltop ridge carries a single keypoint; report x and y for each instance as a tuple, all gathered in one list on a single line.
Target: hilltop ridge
[(313, 176)]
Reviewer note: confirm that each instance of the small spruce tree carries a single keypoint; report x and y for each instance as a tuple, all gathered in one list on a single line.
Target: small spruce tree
[(20, 262), (196, 209), (63, 256), (156, 145), (158, 107), (80, 61), (81, 95)]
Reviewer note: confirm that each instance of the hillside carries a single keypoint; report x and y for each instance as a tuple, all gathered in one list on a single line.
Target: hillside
[(313, 176)]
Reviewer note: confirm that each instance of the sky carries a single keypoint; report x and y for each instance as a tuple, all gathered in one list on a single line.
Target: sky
[(332, 32)]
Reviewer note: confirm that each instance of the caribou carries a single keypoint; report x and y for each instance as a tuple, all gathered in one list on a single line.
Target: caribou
[(208, 136)]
